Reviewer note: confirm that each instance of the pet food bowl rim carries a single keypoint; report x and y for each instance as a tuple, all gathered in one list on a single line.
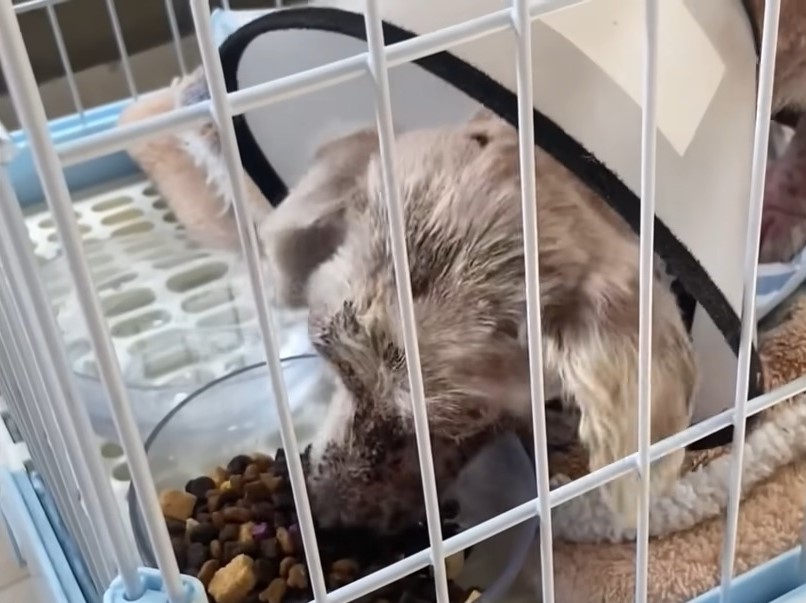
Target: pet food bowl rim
[(527, 527), (139, 530)]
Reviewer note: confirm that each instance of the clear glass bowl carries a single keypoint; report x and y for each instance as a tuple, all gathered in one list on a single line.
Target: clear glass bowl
[(237, 415), (179, 314)]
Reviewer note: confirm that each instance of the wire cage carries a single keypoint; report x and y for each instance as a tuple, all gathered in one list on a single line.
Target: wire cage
[(65, 493)]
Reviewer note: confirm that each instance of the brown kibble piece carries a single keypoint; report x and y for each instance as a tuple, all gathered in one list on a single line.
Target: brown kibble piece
[(215, 500), (177, 504), (345, 567), (238, 464), (232, 583), (263, 461), (245, 533), (268, 548), (263, 512), (229, 532), (275, 592), (454, 565), (237, 515), (219, 476), (257, 492), (273, 482), (175, 527), (215, 549), (196, 555), (200, 486), (217, 518), (266, 570), (236, 483), (285, 566), (207, 572), (285, 541), (203, 532), (297, 577), (251, 473), (230, 550)]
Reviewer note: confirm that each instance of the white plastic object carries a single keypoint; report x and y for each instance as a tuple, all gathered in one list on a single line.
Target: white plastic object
[(180, 316)]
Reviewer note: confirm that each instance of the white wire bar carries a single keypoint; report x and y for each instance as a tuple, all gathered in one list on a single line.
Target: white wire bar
[(248, 238), (58, 37), (523, 35), (20, 367), (769, 43), (646, 271), (292, 86), (43, 438), (125, 63), (175, 36), (397, 234), (32, 5), (40, 324), (28, 103)]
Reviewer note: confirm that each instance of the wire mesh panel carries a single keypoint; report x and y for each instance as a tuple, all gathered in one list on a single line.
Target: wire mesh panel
[(37, 380)]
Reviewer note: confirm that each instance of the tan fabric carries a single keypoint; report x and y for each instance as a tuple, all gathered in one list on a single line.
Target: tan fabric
[(686, 564)]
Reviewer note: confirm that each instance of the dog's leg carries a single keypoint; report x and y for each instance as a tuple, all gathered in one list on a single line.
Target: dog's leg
[(598, 364)]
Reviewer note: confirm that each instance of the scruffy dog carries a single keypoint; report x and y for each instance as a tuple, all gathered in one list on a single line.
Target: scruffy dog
[(460, 187)]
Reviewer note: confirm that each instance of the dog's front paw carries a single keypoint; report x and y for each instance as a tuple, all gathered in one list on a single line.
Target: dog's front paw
[(623, 494)]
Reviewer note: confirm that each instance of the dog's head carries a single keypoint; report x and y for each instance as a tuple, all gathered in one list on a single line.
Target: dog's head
[(467, 283)]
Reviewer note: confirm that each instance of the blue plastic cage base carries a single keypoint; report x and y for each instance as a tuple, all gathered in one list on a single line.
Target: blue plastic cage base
[(90, 173), (35, 541), (778, 581)]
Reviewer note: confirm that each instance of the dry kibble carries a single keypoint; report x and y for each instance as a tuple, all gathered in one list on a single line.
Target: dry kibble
[(176, 527), (268, 548), (200, 486), (230, 550), (245, 535), (266, 570), (207, 572), (345, 567), (236, 483), (203, 532), (177, 504), (197, 554), (219, 476), (474, 594), (285, 566), (232, 583), (241, 538), (239, 464), (237, 515), (217, 519), (229, 532), (251, 473), (285, 541), (273, 482), (297, 577), (263, 461), (275, 592), (257, 492)]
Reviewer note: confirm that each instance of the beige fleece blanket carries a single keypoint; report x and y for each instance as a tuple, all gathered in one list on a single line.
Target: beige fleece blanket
[(686, 563)]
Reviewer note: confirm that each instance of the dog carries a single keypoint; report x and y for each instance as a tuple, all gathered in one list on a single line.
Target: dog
[(468, 284)]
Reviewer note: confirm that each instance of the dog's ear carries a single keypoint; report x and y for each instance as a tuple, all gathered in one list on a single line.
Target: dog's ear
[(484, 114)]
